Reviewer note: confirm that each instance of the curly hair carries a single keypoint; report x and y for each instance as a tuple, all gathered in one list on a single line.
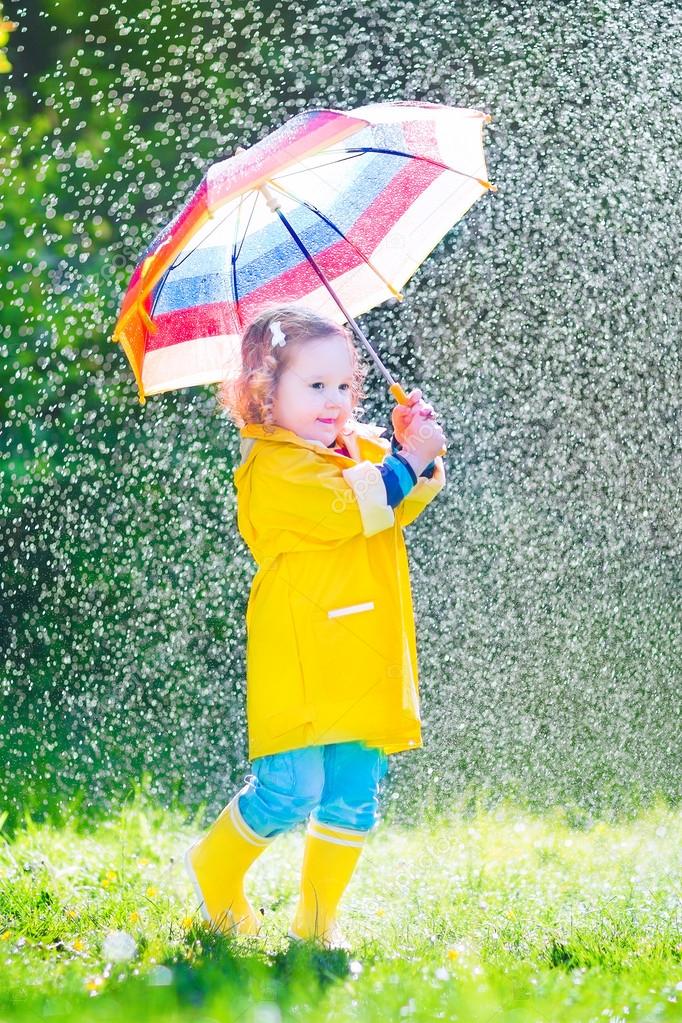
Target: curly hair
[(249, 397)]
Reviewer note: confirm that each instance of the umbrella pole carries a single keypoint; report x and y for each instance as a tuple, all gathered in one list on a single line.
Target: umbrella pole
[(394, 387)]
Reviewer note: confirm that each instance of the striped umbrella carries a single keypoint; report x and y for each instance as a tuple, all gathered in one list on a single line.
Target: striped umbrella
[(334, 211)]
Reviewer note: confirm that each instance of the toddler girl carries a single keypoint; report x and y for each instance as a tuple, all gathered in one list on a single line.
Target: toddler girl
[(332, 685)]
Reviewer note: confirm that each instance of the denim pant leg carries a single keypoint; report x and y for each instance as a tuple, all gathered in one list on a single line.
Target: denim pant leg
[(282, 790), (352, 773)]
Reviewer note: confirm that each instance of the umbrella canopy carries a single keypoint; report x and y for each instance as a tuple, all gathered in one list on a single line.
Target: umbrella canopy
[(334, 210)]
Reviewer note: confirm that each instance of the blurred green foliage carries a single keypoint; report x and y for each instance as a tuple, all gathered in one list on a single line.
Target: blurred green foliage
[(83, 156), (95, 159)]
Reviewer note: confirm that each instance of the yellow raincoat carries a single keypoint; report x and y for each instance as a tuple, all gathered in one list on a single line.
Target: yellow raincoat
[(331, 649)]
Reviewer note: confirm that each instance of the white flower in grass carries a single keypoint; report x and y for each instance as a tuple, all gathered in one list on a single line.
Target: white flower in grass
[(267, 1012), (160, 976), (118, 946)]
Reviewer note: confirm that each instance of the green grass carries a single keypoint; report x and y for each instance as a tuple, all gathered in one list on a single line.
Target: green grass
[(500, 916)]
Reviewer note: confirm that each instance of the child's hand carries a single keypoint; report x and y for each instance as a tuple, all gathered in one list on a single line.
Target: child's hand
[(423, 438), (404, 416)]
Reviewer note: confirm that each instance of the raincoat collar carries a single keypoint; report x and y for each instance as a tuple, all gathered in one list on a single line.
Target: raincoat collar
[(357, 439)]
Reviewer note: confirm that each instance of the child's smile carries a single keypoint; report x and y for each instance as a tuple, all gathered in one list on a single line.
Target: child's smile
[(314, 393)]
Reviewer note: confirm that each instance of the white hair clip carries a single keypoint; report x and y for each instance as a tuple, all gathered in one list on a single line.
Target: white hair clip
[(278, 336)]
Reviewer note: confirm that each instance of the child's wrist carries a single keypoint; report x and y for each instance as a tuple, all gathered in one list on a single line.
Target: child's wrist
[(408, 465), (427, 468), (417, 462)]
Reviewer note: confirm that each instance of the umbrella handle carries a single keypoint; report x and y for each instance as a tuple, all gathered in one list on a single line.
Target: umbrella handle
[(400, 396), (398, 393)]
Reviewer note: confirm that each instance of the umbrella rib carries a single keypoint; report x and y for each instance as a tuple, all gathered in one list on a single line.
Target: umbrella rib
[(415, 156), (235, 287), (235, 254), (176, 263), (246, 229), (332, 163), (218, 224), (159, 285), (330, 223), (311, 259), (159, 289)]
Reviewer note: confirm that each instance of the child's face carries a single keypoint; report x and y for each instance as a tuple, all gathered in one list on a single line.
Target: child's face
[(316, 386)]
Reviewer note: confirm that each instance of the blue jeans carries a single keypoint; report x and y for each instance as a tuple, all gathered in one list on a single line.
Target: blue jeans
[(337, 783)]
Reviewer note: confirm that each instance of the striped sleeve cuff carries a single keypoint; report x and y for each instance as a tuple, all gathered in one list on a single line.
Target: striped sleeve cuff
[(398, 477), (427, 471)]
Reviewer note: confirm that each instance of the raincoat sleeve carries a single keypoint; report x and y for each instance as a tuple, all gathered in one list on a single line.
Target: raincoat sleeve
[(421, 495), (301, 501)]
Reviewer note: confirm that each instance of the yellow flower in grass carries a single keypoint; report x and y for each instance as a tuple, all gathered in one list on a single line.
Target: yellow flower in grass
[(93, 983), (186, 922), (5, 936), (134, 917), (143, 861), (453, 953), (78, 945), (71, 914), (380, 912), (152, 892)]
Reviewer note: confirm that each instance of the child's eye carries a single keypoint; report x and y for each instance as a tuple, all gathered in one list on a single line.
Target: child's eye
[(320, 384)]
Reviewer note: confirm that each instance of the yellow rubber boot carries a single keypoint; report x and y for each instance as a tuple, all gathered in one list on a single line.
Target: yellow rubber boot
[(217, 864), (329, 859)]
